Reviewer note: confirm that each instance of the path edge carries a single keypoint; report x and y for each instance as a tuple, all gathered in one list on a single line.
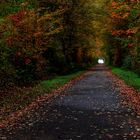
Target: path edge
[(13, 118)]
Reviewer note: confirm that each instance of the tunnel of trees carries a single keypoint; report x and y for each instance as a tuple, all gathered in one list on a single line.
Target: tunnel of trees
[(43, 37)]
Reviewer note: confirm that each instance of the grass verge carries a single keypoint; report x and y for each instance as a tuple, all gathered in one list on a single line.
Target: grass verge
[(130, 78), (18, 98)]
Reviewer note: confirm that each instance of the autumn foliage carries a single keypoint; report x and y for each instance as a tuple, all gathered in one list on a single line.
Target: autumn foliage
[(124, 33), (39, 38)]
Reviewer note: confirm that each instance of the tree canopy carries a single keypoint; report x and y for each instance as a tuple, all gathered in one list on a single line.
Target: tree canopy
[(43, 37)]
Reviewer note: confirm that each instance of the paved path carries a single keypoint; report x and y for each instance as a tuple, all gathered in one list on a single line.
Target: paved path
[(90, 110)]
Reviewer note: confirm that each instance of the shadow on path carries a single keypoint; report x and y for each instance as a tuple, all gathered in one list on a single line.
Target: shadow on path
[(89, 110)]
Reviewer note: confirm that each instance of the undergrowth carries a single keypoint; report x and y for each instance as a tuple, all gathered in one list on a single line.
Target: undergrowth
[(129, 77), (18, 98)]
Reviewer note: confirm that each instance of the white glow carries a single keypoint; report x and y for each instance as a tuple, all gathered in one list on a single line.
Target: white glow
[(101, 61)]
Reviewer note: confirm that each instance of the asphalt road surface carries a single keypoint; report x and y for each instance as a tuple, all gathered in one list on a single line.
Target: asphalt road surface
[(89, 110)]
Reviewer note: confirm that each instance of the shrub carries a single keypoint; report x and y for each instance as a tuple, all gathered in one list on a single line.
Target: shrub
[(127, 62)]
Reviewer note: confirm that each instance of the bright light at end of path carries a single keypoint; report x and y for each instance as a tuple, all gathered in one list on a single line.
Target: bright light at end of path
[(100, 61)]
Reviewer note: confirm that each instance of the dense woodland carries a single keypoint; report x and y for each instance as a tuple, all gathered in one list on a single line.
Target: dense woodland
[(123, 49), (42, 38)]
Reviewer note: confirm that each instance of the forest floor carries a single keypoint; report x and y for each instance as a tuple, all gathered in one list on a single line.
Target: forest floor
[(92, 109)]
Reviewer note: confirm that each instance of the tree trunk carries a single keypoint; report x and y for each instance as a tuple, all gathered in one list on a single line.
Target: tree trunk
[(117, 57)]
